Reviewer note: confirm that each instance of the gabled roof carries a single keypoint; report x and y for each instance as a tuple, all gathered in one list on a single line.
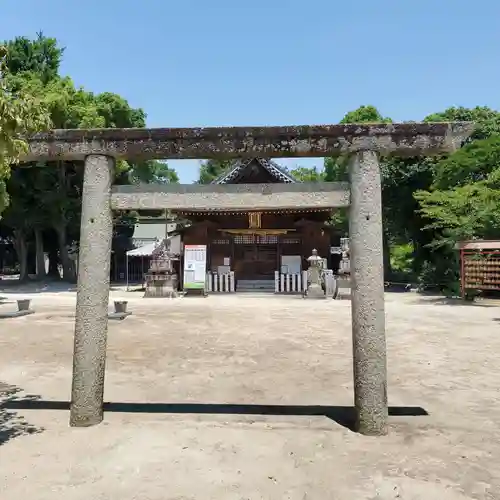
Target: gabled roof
[(272, 167)]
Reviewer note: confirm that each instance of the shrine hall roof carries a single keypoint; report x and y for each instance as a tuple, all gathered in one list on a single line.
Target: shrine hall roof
[(240, 165)]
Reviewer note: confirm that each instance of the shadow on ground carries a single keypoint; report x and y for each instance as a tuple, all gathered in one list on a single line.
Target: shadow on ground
[(12, 424), (343, 415), (443, 301), (16, 287)]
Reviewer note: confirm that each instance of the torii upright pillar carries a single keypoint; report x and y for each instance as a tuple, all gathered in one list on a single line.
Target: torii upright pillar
[(91, 320), (367, 303)]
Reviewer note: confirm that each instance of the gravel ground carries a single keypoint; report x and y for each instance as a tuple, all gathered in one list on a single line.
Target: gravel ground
[(241, 397)]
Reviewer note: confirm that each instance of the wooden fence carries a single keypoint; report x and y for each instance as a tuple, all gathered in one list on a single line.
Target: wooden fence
[(290, 283), (223, 283)]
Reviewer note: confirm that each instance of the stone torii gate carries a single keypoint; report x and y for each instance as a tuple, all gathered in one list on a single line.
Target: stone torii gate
[(364, 143)]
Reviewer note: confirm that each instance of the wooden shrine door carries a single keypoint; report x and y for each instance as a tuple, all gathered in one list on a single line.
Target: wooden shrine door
[(255, 256)]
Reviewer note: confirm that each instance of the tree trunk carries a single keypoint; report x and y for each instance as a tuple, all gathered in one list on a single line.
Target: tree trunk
[(50, 244), (40, 256), (387, 256), (53, 264), (31, 258), (66, 262), (22, 253)]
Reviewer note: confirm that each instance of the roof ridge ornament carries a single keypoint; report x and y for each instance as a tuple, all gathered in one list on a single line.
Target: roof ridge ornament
[(241, 164)]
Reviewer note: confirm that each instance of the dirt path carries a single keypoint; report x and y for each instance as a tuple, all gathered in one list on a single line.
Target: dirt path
[(220, 398)]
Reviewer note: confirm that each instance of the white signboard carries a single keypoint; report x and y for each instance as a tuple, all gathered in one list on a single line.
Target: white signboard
[(195, 266), (292, 263)]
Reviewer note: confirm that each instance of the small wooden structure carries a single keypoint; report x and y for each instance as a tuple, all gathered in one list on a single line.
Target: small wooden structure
[(479, 265), (161, 278)]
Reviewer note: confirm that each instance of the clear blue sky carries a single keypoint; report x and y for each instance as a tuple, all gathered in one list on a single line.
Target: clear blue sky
[(264, 62)]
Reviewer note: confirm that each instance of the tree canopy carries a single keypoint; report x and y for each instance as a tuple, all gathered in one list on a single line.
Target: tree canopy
[(428, 203), (212, 169), (41, 202), (20, 114)]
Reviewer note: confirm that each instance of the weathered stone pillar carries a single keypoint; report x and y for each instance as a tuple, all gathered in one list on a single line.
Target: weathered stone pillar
[(91, 322), (367, 275)]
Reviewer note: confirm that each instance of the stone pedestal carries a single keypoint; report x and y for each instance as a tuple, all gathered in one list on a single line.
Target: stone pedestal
[(121, 306), (23, 304), (314, 289), (161, 285)]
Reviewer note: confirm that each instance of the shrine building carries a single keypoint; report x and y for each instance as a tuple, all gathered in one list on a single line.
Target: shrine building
[(252, 246)]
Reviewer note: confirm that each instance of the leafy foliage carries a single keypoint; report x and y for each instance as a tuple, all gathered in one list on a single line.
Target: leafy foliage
[(486, 120), (20, 114), (428, 203), (462, 200), (431, 203), (46, 198), (153, 171), (41, 55), (337, 168), (212, 169), (473, 163), (365, 114), (305, 174)]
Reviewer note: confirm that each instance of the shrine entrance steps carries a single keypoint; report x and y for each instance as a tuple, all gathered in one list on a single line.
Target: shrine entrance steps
[(258, 285)]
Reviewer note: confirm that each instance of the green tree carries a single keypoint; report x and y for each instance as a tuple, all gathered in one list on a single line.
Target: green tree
[(460, 201), (212, 169), (307, 174), (20, 115), (365, 114), (20, 215), (473, 163), (34, 68), (486, 120), (336, 169), (41, 56), (59, 196), (153, 171)]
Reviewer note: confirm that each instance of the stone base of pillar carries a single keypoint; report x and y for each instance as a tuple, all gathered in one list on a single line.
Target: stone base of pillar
[(164, 285), (315, 291)]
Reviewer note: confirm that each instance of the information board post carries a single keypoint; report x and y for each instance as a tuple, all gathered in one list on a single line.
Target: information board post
[(195, 268)]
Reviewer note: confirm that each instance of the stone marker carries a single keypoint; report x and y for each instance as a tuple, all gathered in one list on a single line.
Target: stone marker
[(23, 309), (120, 311), (314, 289), (121, 306), (23, 304)]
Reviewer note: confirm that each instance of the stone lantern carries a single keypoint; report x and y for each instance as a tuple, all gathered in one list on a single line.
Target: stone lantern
[(315, 290)]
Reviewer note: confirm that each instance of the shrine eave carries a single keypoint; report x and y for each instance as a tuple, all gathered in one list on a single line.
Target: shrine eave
[(231, 197), (282, 211)]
